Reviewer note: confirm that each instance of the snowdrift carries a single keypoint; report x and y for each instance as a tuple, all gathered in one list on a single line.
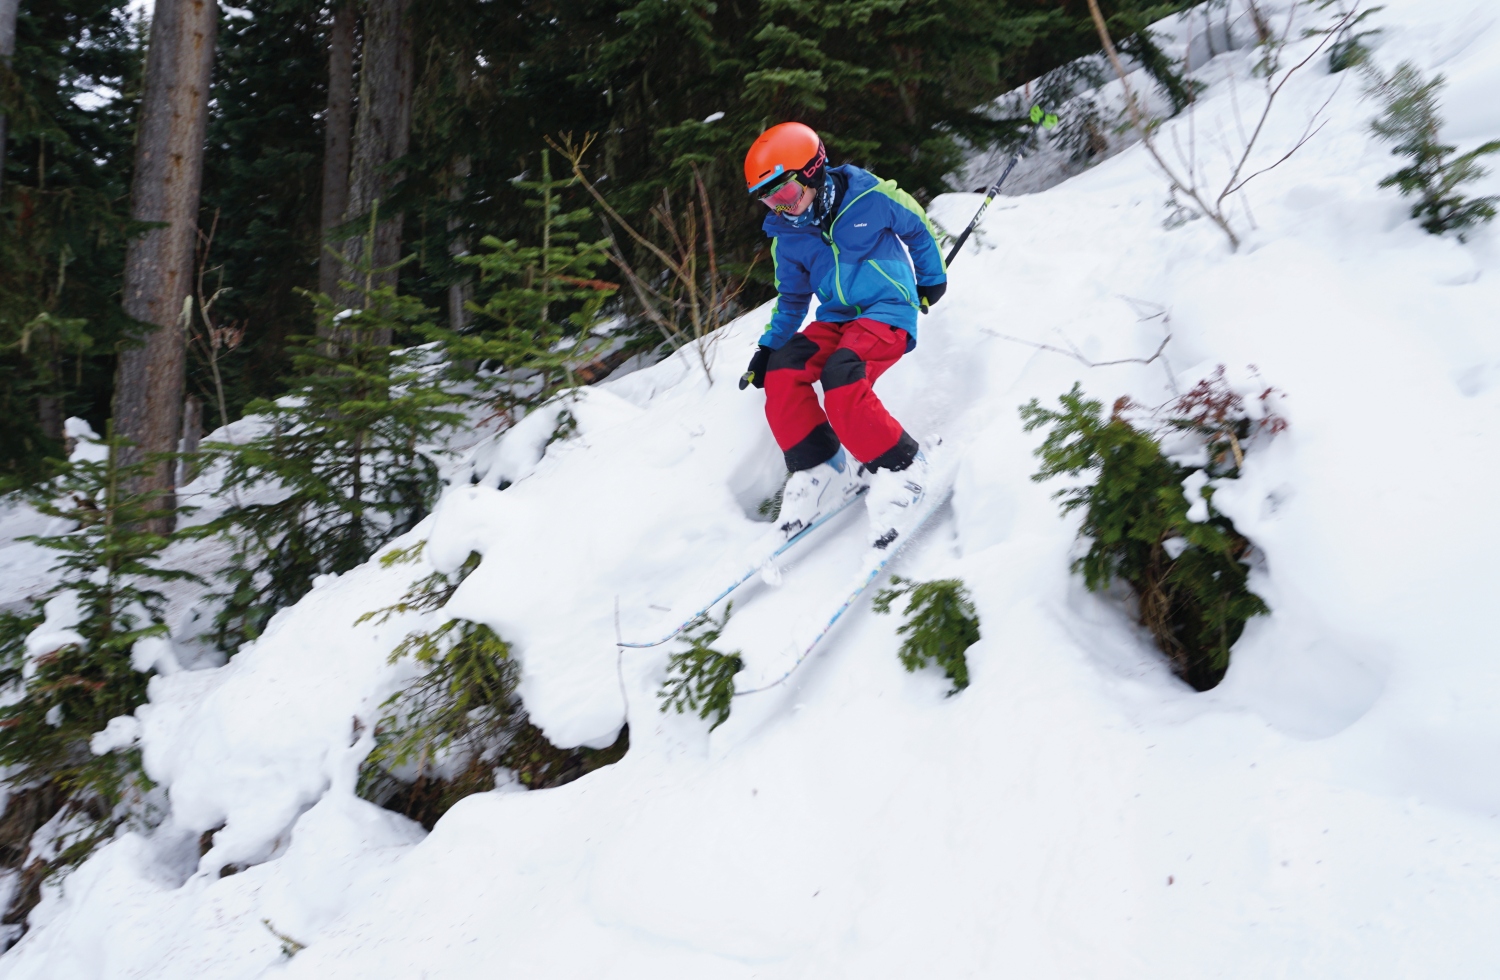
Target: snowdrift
[(1330, 810)]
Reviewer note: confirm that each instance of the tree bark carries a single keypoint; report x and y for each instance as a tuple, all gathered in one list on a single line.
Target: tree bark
[(8, 10), (461, 292), (192, 437), (49, 413), (381, 135), (159, 264), (336, 141)]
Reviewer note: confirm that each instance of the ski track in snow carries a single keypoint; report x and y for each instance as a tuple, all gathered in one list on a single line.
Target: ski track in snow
[(1329, 811)]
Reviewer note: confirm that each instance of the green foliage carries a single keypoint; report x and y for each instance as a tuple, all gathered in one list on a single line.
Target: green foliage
[(940, 625), (1434, 176), (701, 678), (445, 733), (262, 189), (1188, 576), (1348, 49), (68, 101), (899, 88), (540, 302), (346, 460), (463, 703), (106, 601)]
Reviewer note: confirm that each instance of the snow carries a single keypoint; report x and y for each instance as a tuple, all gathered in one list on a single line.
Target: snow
[(1331, 810)]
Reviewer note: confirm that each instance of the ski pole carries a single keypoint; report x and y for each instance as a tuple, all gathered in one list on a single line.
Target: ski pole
[(1044, 119)]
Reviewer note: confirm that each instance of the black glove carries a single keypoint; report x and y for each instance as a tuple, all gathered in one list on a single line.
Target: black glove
[(756, 373), (931, 294)]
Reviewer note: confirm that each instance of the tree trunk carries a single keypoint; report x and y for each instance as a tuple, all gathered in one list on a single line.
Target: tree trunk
[(8, 9), (461, 292), (192, 437), (336, 141), (159, 264), (380, 137), (49, 413)]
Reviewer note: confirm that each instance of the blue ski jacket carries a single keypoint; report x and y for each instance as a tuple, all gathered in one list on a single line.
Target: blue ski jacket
[(856, 264)]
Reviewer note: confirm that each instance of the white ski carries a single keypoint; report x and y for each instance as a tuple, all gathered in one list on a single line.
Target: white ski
[(877, 559), (777, 549)]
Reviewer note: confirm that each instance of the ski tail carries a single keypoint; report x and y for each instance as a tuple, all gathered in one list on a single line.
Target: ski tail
[(871, 570)]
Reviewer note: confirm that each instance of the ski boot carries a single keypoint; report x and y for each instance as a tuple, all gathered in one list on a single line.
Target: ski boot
[(811, 493), (895, 496)]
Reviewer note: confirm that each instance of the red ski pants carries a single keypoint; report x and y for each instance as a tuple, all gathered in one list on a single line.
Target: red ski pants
[(846, 358)]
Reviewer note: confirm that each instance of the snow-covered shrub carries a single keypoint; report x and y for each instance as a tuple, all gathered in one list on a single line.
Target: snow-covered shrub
[(346, 460), (1411, 121), (940, 626), (448, 732), (701, 678), (80, 659), (1183, 561)]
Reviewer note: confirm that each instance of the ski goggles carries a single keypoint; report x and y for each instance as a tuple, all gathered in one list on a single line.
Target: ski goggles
[(782, 196)]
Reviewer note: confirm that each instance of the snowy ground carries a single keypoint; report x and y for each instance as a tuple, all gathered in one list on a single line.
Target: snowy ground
[(1331, 810)]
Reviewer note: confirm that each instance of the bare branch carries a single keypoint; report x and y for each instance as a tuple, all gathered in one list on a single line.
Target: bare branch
[(1076, 355), (574, 155), (1271, 95), (1187, 184)]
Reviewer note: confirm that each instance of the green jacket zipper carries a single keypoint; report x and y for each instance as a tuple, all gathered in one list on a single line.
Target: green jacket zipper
[(904, 294)]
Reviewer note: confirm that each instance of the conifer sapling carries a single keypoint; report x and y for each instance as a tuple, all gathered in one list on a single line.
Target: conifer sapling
[(701, 678), (84, 654), (540, 303), (345, 461), (941, 624), (1434, 176)]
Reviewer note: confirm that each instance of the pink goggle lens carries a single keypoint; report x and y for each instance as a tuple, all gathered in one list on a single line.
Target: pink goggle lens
[(783, 197)]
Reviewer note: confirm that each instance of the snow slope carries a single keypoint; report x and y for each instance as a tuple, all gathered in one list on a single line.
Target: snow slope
[(1331, 810)]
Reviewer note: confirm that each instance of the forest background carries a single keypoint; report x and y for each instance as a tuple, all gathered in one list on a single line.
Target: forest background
[(439, 113)]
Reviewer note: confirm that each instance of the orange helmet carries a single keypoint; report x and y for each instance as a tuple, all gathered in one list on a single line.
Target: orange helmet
[(782, 152)]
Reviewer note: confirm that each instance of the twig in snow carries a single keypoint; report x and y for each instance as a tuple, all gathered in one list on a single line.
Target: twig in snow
[(1072, 350)]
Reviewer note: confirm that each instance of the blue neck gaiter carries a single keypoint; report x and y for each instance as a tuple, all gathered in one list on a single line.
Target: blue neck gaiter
[(821, 207)]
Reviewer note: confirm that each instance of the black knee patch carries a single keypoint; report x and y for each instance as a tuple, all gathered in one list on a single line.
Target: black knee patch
[(817, 447), (843, 367), (898, 457), (794, 354)]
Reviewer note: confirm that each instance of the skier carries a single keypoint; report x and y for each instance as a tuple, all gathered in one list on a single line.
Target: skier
[(838, 232)]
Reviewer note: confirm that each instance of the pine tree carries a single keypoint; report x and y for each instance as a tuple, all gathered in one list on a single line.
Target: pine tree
[(449, 725), (540, 302), (66, 679), (172, 120), (261, 192), (67, 98), (1411, 121), (346, 460)]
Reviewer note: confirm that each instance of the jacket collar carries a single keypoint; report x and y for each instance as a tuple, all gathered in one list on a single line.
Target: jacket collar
[(849, 182)]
